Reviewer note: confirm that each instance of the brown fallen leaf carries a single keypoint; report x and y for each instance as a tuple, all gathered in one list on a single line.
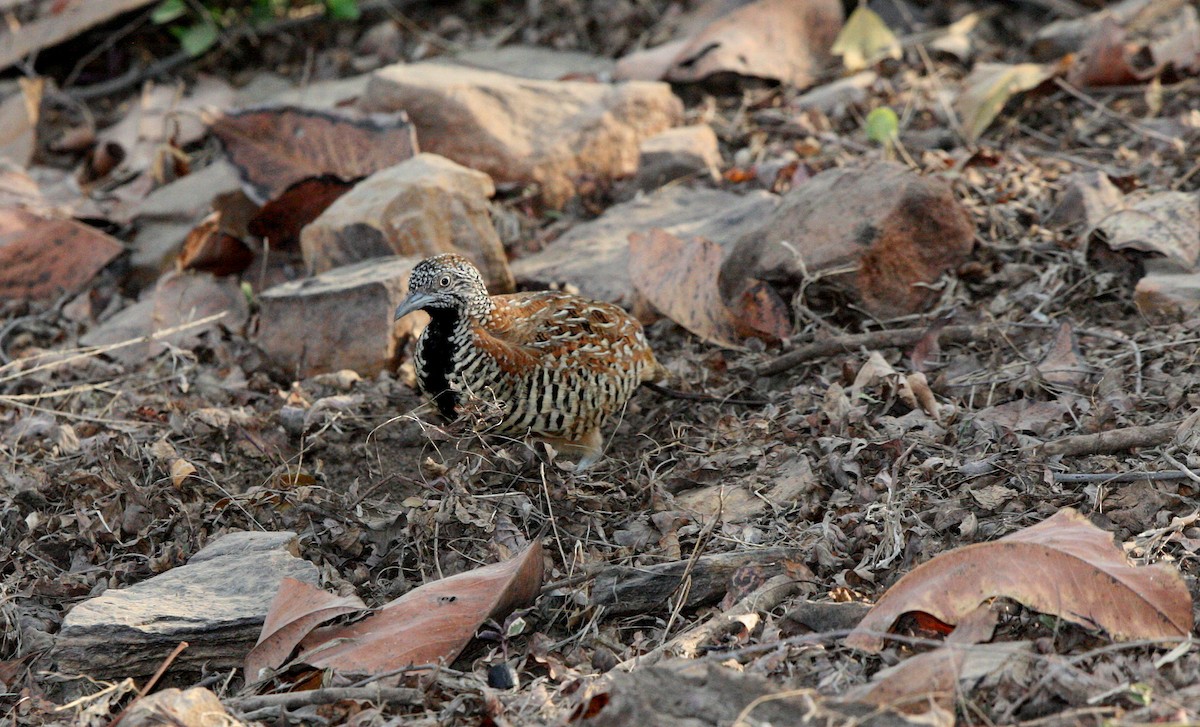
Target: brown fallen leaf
[(164, 119), (779, 40), (428, 624), (295, 611), (217, 244), (917, 683), (43, 257), (682, 279), (274, 148), (1163, 222), (1025, 415), (1063, 365), (280, 220), (1064, 566)]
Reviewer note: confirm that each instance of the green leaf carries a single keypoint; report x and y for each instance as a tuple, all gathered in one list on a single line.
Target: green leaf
[(864, 39), (167, 11), (198, 38), (883, 126), (343, 9)]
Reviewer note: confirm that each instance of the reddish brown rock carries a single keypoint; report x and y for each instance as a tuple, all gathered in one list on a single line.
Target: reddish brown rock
[(421, 207), (526, 131), (895, 229), (340, 319)]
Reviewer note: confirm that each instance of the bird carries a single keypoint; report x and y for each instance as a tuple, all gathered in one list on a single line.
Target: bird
[(558, 365)]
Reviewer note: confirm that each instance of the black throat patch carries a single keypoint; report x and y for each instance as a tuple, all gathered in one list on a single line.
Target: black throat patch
[(437, 353)]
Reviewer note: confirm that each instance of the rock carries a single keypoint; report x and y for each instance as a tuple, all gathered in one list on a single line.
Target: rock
[(177, 299), (216, 603), (526, 131), (423, 206), (533, 61), (169, 213), (1168, 295), (340, 319), (832, 99), (335, 94), (895, 229), (594, 256), (196, 707), (686, 151)]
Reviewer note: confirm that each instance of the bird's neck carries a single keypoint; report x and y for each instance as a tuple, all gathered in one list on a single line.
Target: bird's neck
[(444, 338)]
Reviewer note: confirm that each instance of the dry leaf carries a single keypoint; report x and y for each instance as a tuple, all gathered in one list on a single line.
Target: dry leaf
[(274, 148), (989, 87), (1063, 365), (1163, 222), (681, 279), (280, 220), (428, 624), (865, 39), (41, 257), (181, 469), (1063, 566), (296, 610), (19, 114)]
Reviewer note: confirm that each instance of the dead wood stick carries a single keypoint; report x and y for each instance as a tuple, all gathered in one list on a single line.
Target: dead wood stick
[(1115, 440), (1106, 477), (874, 339), (764, 598), (292, 700)]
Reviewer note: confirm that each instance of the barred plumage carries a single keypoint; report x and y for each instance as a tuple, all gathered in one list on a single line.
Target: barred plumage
[(559, 365)]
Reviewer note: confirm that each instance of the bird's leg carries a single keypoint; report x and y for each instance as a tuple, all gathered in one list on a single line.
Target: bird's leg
[(587, 448)]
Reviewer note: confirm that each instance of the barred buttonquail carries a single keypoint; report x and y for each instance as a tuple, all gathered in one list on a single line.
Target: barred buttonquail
[(558, 365)]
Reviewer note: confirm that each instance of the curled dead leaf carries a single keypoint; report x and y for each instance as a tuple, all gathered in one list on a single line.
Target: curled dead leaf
[(274, 148), (1064, 566), (431, 623)]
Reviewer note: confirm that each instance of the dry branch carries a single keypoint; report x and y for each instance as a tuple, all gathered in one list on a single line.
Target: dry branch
[(1116, 440), (872, 340)]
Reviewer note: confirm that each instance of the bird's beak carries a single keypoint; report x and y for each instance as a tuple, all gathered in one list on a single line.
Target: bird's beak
[(414, 302)]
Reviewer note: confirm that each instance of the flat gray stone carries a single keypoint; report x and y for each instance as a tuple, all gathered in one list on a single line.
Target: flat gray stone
[(532, 61), (594, 256), (216, 603)]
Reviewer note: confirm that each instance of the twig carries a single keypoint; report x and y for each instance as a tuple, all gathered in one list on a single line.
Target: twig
[(764, 598), (1115, 440), (162, 668), (690, 396), (1104, 477), (1183, 469), (292, 700), (874, 339), (1134, 126)]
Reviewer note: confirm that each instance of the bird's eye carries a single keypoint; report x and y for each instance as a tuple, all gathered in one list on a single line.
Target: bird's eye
[(445, 281)]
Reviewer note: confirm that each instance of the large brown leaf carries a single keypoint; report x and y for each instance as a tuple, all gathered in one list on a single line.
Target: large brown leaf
[(428, 624), (43, 257), (273, 148), (1064, 566), (682, 279), (297, 609)]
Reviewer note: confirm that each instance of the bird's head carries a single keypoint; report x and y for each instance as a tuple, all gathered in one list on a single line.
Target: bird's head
[(446, 282)]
